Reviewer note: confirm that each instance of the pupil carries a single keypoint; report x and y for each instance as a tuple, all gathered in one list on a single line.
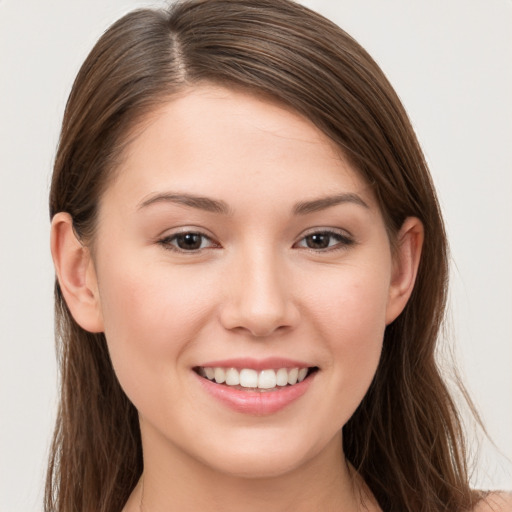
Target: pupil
[(189, 241), (318, 241)]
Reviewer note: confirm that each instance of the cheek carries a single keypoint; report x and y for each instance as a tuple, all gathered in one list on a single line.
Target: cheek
[(150, 316), (351, 307), (350, 315)]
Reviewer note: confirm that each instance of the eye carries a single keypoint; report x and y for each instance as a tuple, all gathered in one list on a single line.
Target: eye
[(187, 241), (324, 240)]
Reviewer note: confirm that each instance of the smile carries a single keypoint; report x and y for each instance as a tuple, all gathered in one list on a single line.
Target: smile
[(252, 380), (257, 387)]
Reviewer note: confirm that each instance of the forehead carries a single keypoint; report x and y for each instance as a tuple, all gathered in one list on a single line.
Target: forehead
[(215, 141)]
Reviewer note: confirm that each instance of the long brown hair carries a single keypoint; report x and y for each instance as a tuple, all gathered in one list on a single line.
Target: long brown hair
[(405, 439)]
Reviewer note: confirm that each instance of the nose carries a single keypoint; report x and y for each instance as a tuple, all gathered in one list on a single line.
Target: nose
[(259, 297)]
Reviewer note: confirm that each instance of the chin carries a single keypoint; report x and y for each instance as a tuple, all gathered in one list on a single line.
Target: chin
[(267, 458), (258, 465)]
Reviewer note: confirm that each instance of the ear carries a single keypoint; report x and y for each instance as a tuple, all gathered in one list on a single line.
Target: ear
[(76, 274), (405, 266)]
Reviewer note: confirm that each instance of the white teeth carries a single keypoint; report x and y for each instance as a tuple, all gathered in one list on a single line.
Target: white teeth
[(292, 376), (267, 379), (220, 375), (249, 378), (282, 377), (232, 377)]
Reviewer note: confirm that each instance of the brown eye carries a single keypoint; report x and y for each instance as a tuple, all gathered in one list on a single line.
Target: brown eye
[(318, 241), (324, 241), (187, 242)]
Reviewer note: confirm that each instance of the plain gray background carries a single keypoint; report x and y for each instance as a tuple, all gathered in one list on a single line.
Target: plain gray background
[(450, 62)]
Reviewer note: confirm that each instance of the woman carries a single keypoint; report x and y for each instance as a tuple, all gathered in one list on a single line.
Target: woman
[(242, 225)]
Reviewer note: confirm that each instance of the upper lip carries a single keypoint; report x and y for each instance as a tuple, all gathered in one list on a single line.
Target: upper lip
[(256, 364)]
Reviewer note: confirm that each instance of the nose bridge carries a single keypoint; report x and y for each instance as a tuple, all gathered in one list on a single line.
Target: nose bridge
[(259, 299)]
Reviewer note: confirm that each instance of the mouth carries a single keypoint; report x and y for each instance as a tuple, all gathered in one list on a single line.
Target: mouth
[(249, 379)]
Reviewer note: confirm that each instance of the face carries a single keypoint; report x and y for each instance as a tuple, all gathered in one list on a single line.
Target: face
[(236, 243)]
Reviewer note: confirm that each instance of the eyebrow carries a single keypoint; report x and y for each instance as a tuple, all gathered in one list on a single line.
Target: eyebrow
[(221, 207), (200, 202), (315, 205)]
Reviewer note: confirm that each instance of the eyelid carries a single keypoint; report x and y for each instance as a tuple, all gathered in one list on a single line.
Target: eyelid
[(347, 238), (169, 235), (326, 229)]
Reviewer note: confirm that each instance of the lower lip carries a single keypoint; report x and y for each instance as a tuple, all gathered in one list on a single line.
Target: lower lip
[(257, 403)]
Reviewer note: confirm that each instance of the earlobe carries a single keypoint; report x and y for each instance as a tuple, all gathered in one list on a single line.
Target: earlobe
[(75, 273), (405, 266)]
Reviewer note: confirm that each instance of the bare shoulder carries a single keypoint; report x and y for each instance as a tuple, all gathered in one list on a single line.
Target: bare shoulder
[(499, 501)]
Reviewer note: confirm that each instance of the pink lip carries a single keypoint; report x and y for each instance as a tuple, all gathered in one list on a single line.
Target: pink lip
[(257, 364), (258, 403)]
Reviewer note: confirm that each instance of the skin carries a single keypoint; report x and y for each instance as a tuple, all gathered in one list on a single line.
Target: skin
[(255, 289)]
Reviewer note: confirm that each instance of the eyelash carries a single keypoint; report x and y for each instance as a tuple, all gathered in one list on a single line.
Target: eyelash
[(342, 241), (168, 242)]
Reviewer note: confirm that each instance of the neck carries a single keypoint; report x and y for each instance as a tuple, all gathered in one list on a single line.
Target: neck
[(177, 482)]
